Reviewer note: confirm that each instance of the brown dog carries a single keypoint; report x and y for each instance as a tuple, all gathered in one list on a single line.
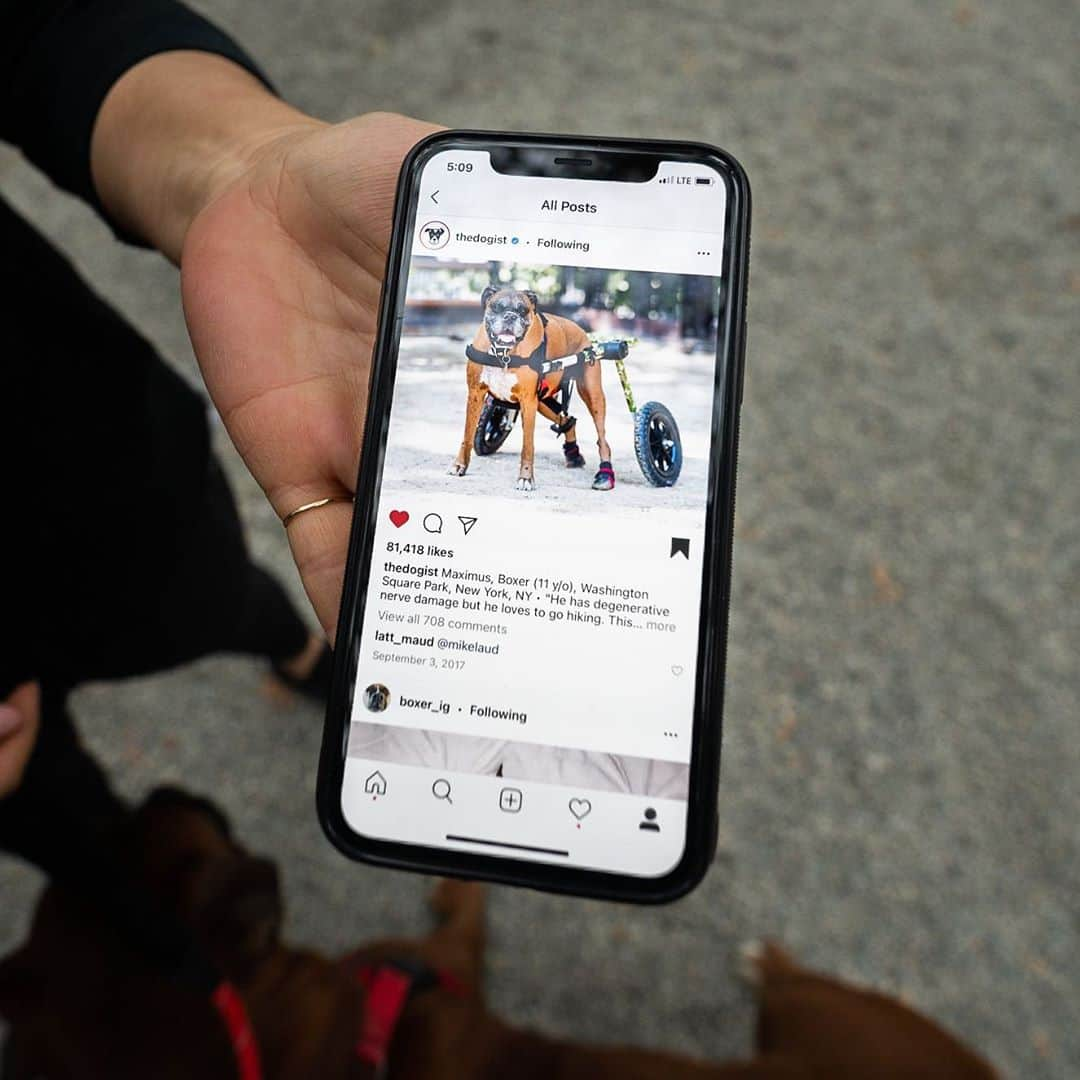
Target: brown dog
[(84, 1002), (505, 361)]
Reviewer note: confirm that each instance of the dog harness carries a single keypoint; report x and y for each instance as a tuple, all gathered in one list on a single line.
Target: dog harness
[(538, 358), (501, 358), (388, 988), (230, 1007)]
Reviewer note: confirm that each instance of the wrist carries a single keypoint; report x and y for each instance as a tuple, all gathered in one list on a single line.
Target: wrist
[(174, 132)]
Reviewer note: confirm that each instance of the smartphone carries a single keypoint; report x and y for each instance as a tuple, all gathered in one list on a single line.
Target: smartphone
[(528, 682)]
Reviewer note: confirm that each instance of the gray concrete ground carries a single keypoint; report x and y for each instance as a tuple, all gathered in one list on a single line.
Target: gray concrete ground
[(900, 796)]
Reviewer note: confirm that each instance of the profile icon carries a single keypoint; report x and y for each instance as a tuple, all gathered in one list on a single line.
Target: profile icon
[(376, 697), (434, 235)]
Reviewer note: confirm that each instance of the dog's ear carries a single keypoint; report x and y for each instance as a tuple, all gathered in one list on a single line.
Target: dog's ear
[(533, 299), (487, 294)]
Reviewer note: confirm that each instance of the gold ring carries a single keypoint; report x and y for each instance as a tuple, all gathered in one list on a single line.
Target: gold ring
[(314, 506)]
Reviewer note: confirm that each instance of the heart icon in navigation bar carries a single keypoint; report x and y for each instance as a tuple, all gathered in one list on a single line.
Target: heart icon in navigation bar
[(580, 808)]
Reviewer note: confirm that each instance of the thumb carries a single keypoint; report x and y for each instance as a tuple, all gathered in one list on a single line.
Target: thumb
[(319, 540)]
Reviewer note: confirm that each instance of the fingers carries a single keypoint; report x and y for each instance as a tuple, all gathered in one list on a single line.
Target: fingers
[(319, 540)]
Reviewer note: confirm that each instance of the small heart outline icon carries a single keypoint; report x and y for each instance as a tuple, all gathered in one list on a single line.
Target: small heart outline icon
[(580, 808), (676, 670), (398, 518)]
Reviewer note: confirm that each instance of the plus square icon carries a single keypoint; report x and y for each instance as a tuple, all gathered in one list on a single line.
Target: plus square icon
[(510, 800)]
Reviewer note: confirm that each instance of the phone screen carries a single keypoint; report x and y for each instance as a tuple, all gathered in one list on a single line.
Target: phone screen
[(525, 682)]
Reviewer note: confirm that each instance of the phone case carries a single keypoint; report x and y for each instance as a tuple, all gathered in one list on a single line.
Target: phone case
[(708, 719)]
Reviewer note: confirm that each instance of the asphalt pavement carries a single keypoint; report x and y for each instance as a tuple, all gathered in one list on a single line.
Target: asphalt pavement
[(900, 795)]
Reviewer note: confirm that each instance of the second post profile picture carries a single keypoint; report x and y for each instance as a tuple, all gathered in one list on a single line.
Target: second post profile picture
[(376, 697)]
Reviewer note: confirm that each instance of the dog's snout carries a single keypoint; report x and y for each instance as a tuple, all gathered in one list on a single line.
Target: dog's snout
[(506, 326)]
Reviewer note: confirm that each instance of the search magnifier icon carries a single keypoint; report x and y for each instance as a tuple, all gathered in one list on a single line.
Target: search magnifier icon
[(441, 790)]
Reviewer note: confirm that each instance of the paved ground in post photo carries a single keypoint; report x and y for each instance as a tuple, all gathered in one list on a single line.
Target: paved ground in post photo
[(900, 788)]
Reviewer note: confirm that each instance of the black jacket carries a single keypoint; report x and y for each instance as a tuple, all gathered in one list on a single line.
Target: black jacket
[(98, 439)]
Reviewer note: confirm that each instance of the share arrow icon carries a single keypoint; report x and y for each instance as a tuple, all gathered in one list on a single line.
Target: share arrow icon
[(466, 523)]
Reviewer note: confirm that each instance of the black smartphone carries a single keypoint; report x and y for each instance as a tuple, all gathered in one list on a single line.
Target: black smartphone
[(529, 669)]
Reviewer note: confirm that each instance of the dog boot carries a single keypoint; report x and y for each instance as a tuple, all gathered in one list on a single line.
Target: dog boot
[(604, 480), (574, 458)]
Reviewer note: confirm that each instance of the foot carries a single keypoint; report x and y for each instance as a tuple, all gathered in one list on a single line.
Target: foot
[(525, 483), (308, 672), (457, 469), (574, 458), (604, 480), (302, 665)]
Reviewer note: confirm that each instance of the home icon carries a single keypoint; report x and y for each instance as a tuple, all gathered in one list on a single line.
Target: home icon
[(375, 784)]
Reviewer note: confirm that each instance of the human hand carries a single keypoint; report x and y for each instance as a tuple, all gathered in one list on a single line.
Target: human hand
[(281, 275), (280, 224)]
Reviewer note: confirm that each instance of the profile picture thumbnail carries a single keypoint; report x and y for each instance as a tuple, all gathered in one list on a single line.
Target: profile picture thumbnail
[(376, 697)]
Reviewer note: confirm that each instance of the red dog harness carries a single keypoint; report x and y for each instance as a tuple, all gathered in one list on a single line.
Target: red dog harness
[(230, 1007), (388, 987)]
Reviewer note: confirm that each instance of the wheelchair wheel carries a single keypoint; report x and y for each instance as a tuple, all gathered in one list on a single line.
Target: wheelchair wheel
[(495, 423), (657, 444)]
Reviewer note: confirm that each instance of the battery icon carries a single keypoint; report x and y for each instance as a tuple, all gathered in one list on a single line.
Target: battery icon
[(703, 180)]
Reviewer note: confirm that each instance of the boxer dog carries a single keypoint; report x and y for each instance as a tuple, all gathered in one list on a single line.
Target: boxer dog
[(119, 994), (504, 360)]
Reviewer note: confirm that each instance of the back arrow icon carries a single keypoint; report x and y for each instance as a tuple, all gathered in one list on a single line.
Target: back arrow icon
[(433, 194)]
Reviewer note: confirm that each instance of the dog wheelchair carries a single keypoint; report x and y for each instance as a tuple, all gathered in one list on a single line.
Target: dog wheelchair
[(657, 444)]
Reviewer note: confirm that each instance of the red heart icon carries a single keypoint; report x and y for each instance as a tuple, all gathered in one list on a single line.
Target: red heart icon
[(398, 518)]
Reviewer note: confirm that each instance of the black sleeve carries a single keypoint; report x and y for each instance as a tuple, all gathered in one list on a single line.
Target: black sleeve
[(59, 58)]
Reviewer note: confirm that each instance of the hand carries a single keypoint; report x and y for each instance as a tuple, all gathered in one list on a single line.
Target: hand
[(281, 225), (281, 275)]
